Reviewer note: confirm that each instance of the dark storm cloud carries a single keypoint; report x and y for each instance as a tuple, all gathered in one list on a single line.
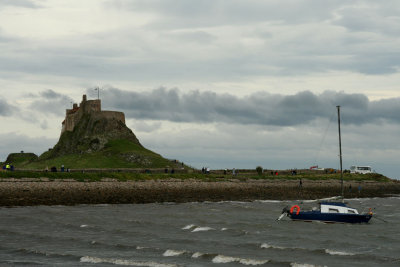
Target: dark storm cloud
[(6, 109), (259, 108), (51, 102)]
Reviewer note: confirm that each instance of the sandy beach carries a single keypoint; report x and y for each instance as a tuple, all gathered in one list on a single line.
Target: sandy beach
[(29, 192)]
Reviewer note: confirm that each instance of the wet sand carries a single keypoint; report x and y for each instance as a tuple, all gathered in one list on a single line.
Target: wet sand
[(30, 192)]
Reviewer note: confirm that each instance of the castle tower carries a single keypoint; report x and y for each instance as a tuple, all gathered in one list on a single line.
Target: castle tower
[(73, 115)]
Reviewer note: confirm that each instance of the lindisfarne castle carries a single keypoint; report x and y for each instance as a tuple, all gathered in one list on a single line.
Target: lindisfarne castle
[(92, 107)]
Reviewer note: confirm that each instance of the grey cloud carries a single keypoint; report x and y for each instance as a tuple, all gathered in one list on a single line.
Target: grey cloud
[(183, 14), (388, 109), (142, 126), (13, 142), (4, 38), (51, 102), (199, 37), (6, 109), (305, 38), (19, 3), (259, 108), (382, 19), (44, 125), (50, 94)]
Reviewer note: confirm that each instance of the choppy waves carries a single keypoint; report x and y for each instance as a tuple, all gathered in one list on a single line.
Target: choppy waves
[(199, 234)]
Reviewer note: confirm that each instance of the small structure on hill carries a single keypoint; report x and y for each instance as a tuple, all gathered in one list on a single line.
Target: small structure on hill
[(73, 116)]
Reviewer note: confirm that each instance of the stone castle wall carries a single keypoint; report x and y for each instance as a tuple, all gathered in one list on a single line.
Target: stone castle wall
[(73, 115), (113, 115)]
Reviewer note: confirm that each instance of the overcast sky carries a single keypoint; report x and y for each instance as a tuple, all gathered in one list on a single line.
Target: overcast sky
[(214, 83)]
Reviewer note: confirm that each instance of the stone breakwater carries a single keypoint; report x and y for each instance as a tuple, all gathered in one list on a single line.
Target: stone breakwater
[(29, 192)]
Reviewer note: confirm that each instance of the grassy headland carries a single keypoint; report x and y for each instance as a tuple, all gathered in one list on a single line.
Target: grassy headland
[(116, 154)]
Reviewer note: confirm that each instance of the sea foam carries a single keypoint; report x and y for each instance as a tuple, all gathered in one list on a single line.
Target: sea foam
[(228, 259), (253, 262), (197, 255), (200, 229), (187, 227), (341, 253), (89, 259), (295, 264), (224, 259), (172, 253), (265, 245)]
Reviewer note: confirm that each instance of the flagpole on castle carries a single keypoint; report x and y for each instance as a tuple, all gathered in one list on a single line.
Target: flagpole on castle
[(98, 92)]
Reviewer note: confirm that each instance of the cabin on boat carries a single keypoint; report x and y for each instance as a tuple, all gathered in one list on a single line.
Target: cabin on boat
[(336, 207)]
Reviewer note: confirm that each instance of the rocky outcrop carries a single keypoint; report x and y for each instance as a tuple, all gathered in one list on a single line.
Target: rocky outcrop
[(91, 134)]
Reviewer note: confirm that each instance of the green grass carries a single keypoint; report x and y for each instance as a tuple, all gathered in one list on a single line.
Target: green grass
[(97, 176), (116, 154), (20, 158)]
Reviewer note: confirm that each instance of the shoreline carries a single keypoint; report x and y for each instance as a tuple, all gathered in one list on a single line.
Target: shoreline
[(33, 192)]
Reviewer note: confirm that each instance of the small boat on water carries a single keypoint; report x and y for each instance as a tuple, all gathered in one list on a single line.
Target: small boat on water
[(329, 212)]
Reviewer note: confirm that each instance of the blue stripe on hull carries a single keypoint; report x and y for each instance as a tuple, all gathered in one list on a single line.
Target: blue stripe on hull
[(331, 217)]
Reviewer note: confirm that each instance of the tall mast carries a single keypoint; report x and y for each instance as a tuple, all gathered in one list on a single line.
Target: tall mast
[(340, 153)]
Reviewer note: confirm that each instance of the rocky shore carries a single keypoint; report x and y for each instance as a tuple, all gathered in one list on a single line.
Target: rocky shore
[(30, 192)]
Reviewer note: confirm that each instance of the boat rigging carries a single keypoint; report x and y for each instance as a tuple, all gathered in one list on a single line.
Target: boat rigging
[(329, 212)]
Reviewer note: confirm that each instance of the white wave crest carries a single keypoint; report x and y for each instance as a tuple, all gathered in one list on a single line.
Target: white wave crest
[(187, 227), (84, 226), (89, 259), (173, 253), (200, 229), (197, 255), (228, 259), (270, 201), (265, 245), (309, 200), (295, 264), (341, 253), (252, 262), (224, 259)]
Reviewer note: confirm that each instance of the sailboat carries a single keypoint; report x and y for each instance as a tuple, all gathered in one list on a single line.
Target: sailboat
[(329, 212)]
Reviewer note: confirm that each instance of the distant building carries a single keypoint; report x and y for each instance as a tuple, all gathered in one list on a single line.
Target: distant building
[(73, 115), (361, 169)]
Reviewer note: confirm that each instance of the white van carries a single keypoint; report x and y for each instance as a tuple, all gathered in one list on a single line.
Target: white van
[(360, 169)]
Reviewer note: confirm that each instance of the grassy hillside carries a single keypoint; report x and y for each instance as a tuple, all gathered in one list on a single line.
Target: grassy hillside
[(116, 154), (19, 159)]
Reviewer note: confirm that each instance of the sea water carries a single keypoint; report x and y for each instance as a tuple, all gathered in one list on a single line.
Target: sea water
[(195, 234)]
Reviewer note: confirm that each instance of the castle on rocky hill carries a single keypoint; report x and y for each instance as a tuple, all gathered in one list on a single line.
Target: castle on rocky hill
[(92, 107)]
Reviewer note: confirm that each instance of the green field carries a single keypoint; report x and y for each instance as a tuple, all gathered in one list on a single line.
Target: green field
[(116, 154)]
